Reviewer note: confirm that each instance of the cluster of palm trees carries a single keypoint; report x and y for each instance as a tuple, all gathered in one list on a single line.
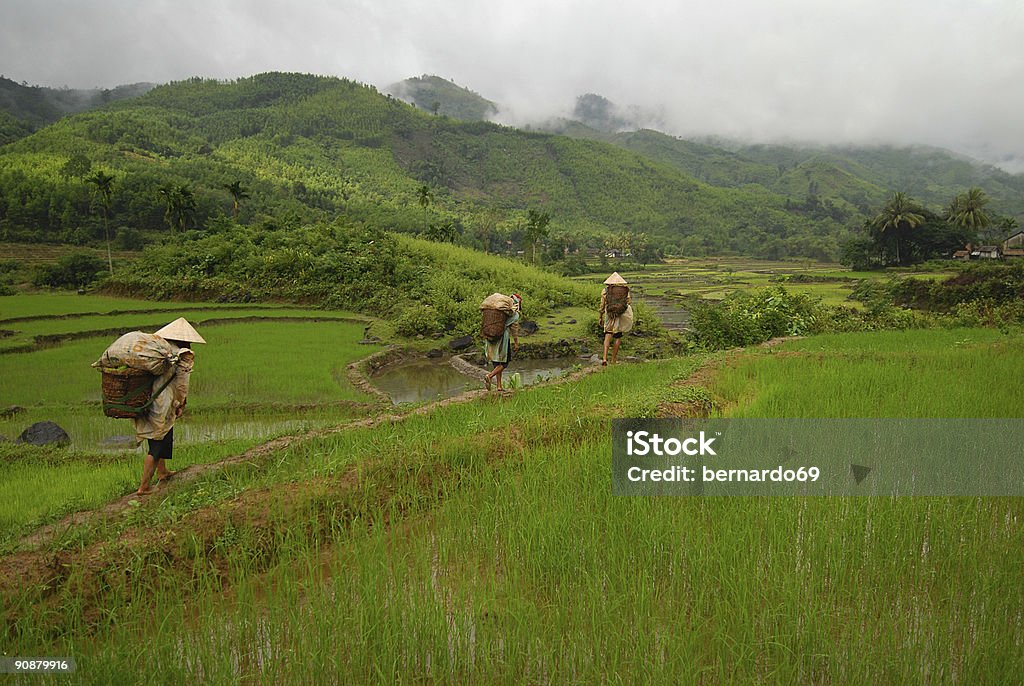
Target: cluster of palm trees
[(179, 203), (901, 215)]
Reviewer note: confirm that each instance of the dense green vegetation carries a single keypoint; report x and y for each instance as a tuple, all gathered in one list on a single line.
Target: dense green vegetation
[(25, 108), (306, 147), (425, 287), (297, 148), (846, 184), (876, 375)]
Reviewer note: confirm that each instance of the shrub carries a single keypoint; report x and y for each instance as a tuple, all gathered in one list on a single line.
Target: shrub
[(76, 270), (417, 320), (748, 318)]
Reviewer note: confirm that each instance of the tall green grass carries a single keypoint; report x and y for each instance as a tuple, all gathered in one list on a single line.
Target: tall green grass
[(921, 373), (480, 543), (527, 569)]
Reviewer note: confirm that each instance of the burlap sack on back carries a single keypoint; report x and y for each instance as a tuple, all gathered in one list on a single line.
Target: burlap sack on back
[(137, 350), (497, 301)]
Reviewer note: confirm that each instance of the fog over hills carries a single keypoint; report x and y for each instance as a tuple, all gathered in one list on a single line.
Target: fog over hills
[(916, 72)]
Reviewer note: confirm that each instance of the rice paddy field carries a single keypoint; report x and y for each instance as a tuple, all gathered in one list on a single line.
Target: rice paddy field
[(478, 541), (253, 381), (714, 278)]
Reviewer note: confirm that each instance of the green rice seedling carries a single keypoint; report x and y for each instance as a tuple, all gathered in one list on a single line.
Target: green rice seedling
[(480, 542), (884, 374)]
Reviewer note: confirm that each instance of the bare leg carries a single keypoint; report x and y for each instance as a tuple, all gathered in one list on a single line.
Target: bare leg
[(148, 467), (487, 379), (161, 470), (607, 341), (497, 373), (615, 350)]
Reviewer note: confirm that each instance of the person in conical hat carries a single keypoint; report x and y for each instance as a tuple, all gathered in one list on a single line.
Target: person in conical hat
[(615, 314), (180, 330), (615, 280), (157, 426)]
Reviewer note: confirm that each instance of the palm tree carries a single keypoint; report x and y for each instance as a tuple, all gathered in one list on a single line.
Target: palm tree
[(184, 206), (445, 232), (166, 193), (104, 197), (536, 228), (179, 205), (238, 193), (897, 218), (424, 196), (967, 210)]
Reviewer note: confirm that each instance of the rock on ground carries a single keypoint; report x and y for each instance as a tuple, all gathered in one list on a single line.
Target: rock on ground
[(44, 433)]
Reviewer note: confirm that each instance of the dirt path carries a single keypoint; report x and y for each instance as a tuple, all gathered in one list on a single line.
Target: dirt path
[(48, 533)]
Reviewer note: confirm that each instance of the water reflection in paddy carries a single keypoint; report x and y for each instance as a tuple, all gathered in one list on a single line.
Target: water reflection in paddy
[(425, 379)]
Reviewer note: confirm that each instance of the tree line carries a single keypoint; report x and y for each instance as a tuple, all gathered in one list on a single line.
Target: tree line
[(905, 232)]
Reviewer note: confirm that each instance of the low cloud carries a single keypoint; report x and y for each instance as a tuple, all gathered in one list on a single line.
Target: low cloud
[(938, 72)]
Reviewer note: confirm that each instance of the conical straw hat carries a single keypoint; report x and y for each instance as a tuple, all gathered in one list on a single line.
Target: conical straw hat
[(615, 280), (180, 330)]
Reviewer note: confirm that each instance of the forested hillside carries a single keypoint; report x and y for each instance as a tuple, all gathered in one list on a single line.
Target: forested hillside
[(847, 183), (850, 183), (24, 108), (305, 147)]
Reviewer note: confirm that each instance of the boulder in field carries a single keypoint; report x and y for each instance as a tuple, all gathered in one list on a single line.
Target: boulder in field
[(461, 343), (44, 433), (434, 353), (527, 327)]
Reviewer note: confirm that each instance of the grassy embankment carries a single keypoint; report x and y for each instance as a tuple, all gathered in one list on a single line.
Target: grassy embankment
[(481, 542)]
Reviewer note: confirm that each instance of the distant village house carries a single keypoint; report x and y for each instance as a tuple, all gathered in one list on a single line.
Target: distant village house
[(1014, 245)]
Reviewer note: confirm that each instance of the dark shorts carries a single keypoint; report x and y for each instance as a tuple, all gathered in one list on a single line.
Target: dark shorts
[(617, 334), (162, 449)]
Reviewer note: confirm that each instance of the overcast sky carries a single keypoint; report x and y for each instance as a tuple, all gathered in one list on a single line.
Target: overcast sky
[(940, 72)]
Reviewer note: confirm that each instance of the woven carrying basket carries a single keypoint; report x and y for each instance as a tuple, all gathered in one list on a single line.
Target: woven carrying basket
[(492, 325), (126, 393), (618, 300)]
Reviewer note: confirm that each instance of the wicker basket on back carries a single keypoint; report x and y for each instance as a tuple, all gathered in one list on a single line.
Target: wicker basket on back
[(618, 300), (492, 325), (126, 392)]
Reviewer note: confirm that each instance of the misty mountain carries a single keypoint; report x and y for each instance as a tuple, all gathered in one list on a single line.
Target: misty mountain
[(599, 113), (308, 147), (439, 96), (25, 108), (857, 180)]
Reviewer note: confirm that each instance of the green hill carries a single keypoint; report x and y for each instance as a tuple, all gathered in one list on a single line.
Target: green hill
[(308, 147), (25, 108), (440, 96), (848, 181), (931, 175)]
